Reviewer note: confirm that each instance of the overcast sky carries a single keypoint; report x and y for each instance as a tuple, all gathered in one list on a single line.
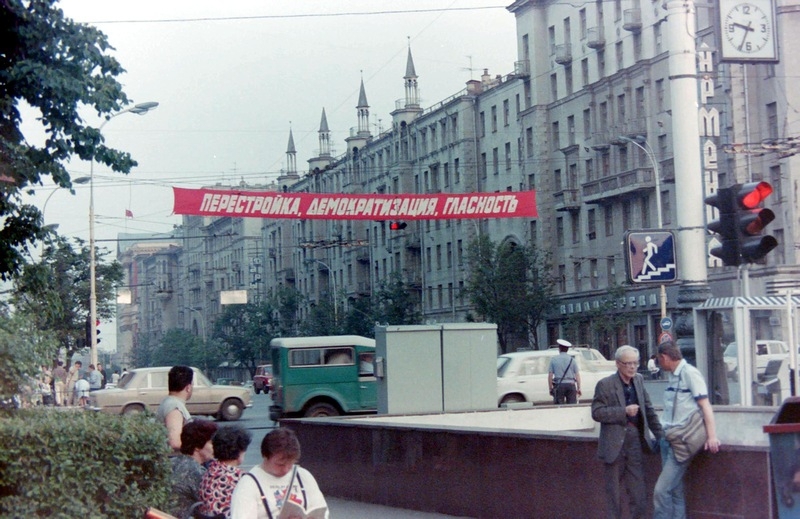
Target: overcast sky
[(233, 77)]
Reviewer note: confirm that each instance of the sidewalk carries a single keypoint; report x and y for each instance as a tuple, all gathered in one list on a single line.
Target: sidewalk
[(340, 508)]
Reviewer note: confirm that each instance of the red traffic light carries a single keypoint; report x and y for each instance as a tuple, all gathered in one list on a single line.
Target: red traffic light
[(397, 226), (751, 195)]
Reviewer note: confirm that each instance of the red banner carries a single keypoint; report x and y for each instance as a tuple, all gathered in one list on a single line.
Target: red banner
[(325, 206)]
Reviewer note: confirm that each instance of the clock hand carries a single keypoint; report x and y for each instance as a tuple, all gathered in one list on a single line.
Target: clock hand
[(745, 27), (746, 32)]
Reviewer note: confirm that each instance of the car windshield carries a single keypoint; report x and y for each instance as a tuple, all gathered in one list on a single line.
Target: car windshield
[(730, 351), (125, 380), (502, 364)]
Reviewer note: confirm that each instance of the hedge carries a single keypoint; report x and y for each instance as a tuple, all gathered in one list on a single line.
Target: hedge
[(75, 463)]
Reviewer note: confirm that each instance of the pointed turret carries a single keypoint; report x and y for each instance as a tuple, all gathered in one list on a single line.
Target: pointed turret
[(320, 162), (412, 89), (363, 112), (290, 174)]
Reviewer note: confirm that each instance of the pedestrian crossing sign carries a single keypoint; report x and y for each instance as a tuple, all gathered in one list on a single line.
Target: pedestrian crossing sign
[(651, 257)]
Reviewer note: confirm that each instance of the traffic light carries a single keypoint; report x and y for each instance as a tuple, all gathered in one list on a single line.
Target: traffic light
[(741, 222), (397, 226), (89, 332)]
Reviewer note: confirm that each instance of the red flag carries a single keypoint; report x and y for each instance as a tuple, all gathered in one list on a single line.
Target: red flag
[(128, 213)]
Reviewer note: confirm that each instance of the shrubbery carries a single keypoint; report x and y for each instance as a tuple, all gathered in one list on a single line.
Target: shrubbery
[(75, 463)]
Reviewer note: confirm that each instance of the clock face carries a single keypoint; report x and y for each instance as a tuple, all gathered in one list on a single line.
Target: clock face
[(748, 29)]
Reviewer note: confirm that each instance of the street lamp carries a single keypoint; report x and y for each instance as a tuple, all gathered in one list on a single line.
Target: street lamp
[(640, 141), (139, 109)]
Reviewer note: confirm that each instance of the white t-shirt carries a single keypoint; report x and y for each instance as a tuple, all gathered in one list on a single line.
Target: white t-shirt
[(246, 502)]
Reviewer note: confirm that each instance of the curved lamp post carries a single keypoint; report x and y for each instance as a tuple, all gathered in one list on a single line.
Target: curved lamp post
[(139, 109), (332, 278), (641, 142)]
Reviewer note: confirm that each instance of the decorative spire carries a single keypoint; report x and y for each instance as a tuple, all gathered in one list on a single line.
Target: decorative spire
[(363, 111), (324, 136), (291, 156), (412, 88)]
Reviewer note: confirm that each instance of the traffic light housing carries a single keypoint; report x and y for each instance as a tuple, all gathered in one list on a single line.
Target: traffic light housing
[(397, 226), (89, 332), (740, 223)]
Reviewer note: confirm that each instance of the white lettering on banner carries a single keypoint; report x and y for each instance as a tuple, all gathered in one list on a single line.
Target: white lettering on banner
[(480, 204)]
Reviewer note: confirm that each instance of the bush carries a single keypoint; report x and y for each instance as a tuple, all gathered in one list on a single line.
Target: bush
[(74, 463)]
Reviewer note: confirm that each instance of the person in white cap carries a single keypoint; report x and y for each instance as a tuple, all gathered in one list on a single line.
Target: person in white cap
[(563, 376)]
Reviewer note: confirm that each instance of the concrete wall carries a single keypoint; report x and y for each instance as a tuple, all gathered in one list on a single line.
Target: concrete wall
[(481, 468)]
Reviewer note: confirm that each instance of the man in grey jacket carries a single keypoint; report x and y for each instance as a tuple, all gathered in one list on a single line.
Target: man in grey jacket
[(627, 423)]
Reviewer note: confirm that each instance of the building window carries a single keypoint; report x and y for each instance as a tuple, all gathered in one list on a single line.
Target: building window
[(659, 95), (582, 22), (772, 120), (626, 214), (576, 276), (611, 271), (590, 174), (554, 86), (449, 255), (438, 257), (508, 156), (529, 141), (571, 130), (555, 137), (456, 172), (518, 104), (575, 223), (620, 56), (657, 37), (551, 39), (557, 180), (591, 224), (534, 230), (601, 64), (428, 259), (777, 184), (506, 112), (495, 161), (593, 273), (585, 71), (494, 119), (483, 165), (609, 218), (646, 212), (482, 122), (637, 46), (587, 124), (562, 279), (560, 231), (666, 211), (622, 115), (532, 181), (623, 158), (568, 78)]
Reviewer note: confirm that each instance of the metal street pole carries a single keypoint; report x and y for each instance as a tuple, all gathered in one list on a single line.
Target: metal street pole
[(643, 145), (139, 109)]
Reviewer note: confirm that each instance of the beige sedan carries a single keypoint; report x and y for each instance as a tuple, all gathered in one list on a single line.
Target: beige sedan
[(144, 388)]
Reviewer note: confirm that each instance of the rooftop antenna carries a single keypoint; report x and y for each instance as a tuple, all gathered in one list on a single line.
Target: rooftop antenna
[(470, 69)]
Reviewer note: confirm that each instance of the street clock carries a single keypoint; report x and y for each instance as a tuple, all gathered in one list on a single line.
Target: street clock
[(748, 30)]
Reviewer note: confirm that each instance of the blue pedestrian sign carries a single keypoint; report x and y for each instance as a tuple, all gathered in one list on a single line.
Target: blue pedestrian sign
[(650, 257)]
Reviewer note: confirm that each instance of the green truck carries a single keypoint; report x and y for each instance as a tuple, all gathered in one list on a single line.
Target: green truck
[(322, 376)]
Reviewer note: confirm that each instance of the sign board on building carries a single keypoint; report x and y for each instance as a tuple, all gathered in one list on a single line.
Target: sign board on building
[(650, 257)]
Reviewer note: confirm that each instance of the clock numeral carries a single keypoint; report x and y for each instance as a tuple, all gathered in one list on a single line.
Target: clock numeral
[(746, 9)]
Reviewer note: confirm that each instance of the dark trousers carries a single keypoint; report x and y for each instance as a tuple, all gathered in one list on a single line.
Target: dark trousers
[(627, 470), (565, 393)]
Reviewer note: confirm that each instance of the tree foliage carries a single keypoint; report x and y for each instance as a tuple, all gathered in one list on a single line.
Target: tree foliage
[(510, 285), (395, 303), (23, 349), (54, 292), (57, 67), (246, 331)]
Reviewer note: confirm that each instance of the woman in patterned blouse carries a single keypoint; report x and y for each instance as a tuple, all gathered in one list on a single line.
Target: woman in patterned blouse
[(230, 445)]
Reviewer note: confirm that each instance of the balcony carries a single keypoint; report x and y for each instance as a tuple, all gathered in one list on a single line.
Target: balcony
[(522, 68), (563, 54), (622, 185), (287, 274), (595, 39), (412, 241), (601, 140), (363, 288), (567, 200), (632, 20)]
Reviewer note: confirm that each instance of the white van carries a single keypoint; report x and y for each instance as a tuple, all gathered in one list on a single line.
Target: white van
[(522, 376)]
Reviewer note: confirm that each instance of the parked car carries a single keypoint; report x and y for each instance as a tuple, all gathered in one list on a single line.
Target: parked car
[(143, 389), (263, 378), (766, 350), (593, 357), (522, 376)]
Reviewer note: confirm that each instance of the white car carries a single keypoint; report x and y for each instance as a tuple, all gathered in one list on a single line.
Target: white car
[(766, 350), (522, 376)]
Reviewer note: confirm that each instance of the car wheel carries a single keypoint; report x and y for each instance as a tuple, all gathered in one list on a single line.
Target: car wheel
[(231, 410), (257, 389), (512, 399), (133, 409), (321, 409)]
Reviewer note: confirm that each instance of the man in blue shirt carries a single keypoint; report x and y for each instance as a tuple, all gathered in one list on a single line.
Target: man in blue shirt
[(95, 379), (686, 392), (563, 376)]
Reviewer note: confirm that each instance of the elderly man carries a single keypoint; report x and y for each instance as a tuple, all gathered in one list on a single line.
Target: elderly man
[(627, 421)]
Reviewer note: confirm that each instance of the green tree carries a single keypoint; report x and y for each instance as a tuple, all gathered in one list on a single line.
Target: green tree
[(360, 318), (246, 331), (55, 291), (23, 349), (395, 303), (182, 347), (510, 285), (57, 67)]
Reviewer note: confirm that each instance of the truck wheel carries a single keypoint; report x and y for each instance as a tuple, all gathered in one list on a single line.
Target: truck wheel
[(257, 389), (321, 410), (231, 410)]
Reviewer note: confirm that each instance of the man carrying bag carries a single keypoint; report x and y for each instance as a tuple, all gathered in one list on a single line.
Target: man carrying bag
[(685, 404)]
